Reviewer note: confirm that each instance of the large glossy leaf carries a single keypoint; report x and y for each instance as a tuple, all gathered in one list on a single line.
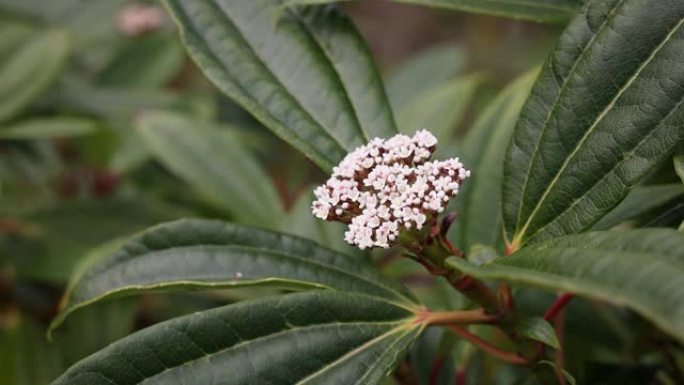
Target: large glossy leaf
[(544, 11), (30, 69), (210, 254), (483, 149), (606, 109), (640, 269), (306, 75), (212, 161), (320, 337)]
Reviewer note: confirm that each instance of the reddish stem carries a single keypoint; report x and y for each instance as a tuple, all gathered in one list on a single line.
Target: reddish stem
[(559, 325), (435, 370), (461, 376), (487, 347), (557, 306)]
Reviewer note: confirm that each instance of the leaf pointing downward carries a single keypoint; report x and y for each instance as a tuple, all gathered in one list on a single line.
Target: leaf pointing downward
[(607, 108), (307, 76)]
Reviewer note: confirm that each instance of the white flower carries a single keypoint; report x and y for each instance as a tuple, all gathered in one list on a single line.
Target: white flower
[(388, 186)]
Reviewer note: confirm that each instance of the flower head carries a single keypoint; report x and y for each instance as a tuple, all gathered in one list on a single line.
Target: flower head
[(137, 19), (388, 186)]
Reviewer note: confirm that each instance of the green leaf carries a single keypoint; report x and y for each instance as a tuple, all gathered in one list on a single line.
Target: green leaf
[(543, 11), (149, 61), (319, 337), (427, 70), (307, 76), (45, 128), (641, 269), (209, 254), (211, 160), (479, 220), (538, 329), (679, 166), (30, 70), (605, 111), (439, 109), (643, 204)]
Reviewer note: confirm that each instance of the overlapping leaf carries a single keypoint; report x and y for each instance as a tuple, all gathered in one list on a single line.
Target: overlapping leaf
[(320, 337), (606, 110), (641, 269), (305, 74), (209, 254)]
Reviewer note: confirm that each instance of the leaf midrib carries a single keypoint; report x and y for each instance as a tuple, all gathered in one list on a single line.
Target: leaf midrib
[(599, 119), (609, 172), (357, 350), (255, 103), (278, 334), (552, 110), (226, 15), (304, 261)]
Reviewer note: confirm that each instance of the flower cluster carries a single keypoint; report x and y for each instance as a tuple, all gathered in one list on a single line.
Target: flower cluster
[(388, 186), (138, 19)]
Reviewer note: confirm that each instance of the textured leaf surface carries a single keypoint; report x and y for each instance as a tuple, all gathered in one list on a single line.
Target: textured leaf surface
[(306, 75), (30, 69), (479, 220), (643, 205), (606, 109), (546, 11), (640, 269), (45, 128), (212, 160), (209, 254), (319, 337)]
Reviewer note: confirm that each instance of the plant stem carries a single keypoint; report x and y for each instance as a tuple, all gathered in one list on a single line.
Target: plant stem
[(558, 305), (478, 316), (487, 347), (559, 326)]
